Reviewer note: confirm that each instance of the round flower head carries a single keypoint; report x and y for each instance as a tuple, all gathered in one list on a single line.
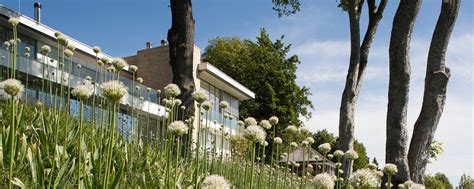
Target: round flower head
[(292, 129), (113, 90), (63, 40), (390, 169), (148, 89), (88, 78), (338, 164), (13, 21), (178, 128), (119, 63), (323, 181), (304, 130), (45, 50), (240, 123), (140, 80), (199, 96), (57, 34), (81, 92), (371, 166), (310, 166), (12, 87), (277, 140), (264, 143), (27, 55), (68, 53), (255, 133), (96, 49), (6, 43), (223, 104), (105, 60), (172, 90), (351, 154), (177, 102), (330, 156), (310, 140), (379, 173), (273, 120), (304, 143), (324, 148), (401, 186), (265, 124), (79, 66), (27, 49), (206, 105), (293, 144), (71, 47), (133, 68), (215, 182), (338, 154), (364, 178), (250, 121)]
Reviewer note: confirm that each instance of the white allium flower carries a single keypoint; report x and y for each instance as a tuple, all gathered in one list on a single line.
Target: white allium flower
[(372, 166), (27, 55), (172, 90), (250, 121), (293, 144), (304, 130), (304, 143), (45, 50), (199, 96), (105, 60), (215, 182), (82, 92), (27, 49), (378, 173), (324, 148), (223, 104), (140, 80), (351, 154), (68, 53), (178, 128), (277, 140), (292, 129), (71, 47), (255, 133), (12, 87), (338, 153), (310, 140), (401, 186), (6, 43), (240, 123), (324, 181), (119, 63), (273, 120), (133, 68), (264, 143), (113, 90), (206, 105), (177, 102), (13, 21), (265, 124), (63, 40), (148, 89), (338, 164), (330, 156), (88, 78), (96, 49), (79, 66), (390, 169), (364, 178), (57, 34)]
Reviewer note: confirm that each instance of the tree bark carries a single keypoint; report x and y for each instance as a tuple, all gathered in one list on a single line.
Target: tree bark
[(399, 82), (181, 49), (434, 97), (358, 62)]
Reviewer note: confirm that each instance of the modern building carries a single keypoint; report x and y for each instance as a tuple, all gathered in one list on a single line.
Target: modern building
[(153, 64), (209, 79)]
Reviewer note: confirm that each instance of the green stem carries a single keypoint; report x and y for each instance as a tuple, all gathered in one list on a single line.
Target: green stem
[(12, 142), (252, 166), (110, 147)]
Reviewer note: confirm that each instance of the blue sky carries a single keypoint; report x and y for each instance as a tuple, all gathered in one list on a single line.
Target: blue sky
[(320, 36)]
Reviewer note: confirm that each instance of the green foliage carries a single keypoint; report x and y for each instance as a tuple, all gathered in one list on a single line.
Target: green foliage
[(363, 160), (439, 181), (286, 7), (466, 182), (436, 149), (265, 67)]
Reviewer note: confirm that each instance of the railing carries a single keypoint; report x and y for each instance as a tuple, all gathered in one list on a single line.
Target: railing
[(77, 77)]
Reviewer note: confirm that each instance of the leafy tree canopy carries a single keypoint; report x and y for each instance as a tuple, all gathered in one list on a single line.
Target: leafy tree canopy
[(266, 68), (466, 182), (439, 180)]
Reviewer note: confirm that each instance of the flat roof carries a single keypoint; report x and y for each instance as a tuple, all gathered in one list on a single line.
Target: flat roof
[(211, 74)]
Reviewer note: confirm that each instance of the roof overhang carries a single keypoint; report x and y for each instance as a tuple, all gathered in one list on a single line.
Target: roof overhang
[(219, 79)]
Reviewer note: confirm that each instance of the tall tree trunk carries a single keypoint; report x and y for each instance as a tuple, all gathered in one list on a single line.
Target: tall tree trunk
[(181, 49), (434, 97), (399, 82), (358, 62)]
